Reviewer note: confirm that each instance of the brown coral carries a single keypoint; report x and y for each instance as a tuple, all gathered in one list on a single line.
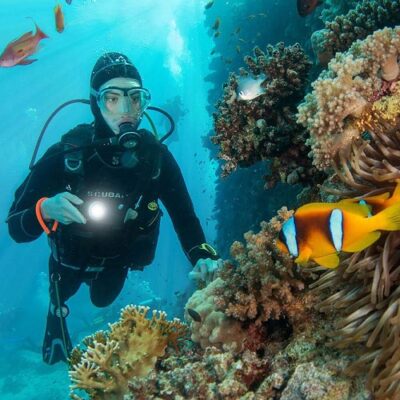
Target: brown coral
[(265, 127), (131, 348), (262, 286)]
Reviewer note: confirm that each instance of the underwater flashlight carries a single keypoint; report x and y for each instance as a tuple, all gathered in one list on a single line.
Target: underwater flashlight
[(97, 211)]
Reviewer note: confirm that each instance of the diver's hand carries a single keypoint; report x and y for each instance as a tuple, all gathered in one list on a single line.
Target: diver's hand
[(61, 208), (205, 269)]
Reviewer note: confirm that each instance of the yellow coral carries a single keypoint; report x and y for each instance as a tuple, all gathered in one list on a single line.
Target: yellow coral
[(337, 110), (130, 349), (384, 113)]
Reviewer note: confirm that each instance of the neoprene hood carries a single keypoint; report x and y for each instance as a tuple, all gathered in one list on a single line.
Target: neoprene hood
[(109, 66)]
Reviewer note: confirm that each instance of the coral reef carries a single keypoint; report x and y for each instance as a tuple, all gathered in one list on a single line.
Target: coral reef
[(350, 95), (257, 295), (221, 375), (131, 348), (264, 284), (339, 33), (333, 8), (265, 127), (245, 25), (364, 291), (270, 346), (260, 337)]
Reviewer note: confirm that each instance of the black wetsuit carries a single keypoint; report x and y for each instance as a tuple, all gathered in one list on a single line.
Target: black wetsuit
[(101, 256)]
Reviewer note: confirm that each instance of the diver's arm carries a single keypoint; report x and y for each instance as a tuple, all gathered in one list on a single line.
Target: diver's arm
[(23, 225), (175, 197)]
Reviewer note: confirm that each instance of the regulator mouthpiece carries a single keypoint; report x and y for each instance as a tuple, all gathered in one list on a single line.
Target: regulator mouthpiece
[(128, 137)]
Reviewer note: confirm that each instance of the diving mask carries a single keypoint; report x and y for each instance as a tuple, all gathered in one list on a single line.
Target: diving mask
[(116, 100)]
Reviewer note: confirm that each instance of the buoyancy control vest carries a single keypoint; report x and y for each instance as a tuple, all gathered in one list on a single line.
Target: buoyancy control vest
[(120, 203)]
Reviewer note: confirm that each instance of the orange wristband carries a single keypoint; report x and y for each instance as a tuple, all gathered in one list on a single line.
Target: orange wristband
[(40, 217)]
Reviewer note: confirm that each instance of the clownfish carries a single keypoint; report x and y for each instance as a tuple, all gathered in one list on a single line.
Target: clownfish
[(319, 231)]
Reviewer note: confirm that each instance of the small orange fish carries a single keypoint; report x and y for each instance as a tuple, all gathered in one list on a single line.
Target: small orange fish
[(217, 23), (319, 231), (59, 18), (17, 51)]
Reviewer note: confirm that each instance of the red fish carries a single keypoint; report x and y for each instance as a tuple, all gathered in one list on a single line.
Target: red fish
[(306, 7), (18, 50), (59, 18)]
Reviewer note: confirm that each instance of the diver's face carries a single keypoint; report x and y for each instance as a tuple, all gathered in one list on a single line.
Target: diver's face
[(118, 105)]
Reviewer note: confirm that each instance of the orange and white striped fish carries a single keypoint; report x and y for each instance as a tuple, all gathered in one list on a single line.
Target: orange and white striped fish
[(320, 231)]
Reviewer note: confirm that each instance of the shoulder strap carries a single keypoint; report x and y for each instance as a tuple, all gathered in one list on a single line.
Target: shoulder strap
[(151, 164), (81, 135)]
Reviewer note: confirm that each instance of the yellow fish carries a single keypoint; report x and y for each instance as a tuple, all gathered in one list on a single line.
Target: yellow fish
[(319, 231)]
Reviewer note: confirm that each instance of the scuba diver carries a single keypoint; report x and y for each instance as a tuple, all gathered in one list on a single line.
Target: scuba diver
[(95, 194)]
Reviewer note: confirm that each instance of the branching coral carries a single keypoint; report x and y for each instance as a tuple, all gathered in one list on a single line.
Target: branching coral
[(262, 284), (364, 291), (342, 104), (341, 32), (265, 127), (130, 349)]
